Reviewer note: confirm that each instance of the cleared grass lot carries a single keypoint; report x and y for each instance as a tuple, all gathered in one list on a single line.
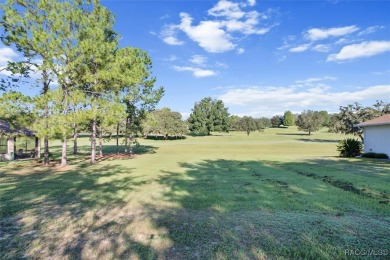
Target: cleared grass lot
[(273, 195)]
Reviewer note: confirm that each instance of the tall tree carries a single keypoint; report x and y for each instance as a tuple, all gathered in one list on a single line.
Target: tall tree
[(309, 121), (26, 27), (137, 89), (98, 44), (288, 119), (209, 115)]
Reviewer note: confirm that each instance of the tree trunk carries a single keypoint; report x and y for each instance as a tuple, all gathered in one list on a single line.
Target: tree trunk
[(75, 135), (37, 148), (93, 141), (46, 83), (46, 159), (248, 132), (100, 141), (309, 132), (63, 154), (129, 135), (117, 138)]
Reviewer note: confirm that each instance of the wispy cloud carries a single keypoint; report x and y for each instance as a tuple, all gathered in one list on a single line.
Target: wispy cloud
[(169, 35), (196, 72), (316, 34), (274, 100), (216, 33), (370, 30), (240, 50), (199, 60), (321, 48), (360, 50), (300, 48)]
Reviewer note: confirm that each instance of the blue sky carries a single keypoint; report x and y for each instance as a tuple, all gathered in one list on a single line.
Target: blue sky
[(261, 57)]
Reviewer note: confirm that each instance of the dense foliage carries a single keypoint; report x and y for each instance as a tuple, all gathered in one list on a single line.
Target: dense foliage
[(309, 121), (164, 122), (350, 147), (288, 119), (208, 116)]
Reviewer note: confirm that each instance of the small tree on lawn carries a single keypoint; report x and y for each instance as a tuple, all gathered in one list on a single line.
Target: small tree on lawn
[(248, 124), (164, 122), (263, 123), (309, 121), (276, 121), (288, 119)]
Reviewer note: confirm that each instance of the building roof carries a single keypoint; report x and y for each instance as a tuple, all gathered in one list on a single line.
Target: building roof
[(6, 129), (382, 120)]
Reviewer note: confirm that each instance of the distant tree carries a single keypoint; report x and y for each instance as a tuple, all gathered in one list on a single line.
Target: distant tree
[(248, 124), (326, 118), (209, 115), (235, 123), (276, 121), (165, 122), (288, 119), (309, 121), (263, 123), (353, 114)]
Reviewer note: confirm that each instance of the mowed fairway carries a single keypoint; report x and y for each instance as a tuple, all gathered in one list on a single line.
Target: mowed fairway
[(275, 195)]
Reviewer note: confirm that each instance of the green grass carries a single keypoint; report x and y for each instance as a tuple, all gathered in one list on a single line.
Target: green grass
[(274, 195)]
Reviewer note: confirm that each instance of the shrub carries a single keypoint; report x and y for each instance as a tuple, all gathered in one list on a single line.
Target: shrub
[(375, 155), (350, 147)]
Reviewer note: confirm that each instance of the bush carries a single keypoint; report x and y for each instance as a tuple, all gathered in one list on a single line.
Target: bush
[(350, 147), (375, 155)]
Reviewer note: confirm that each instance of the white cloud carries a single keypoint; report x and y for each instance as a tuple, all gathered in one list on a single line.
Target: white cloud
[(370, 30), (321, 48), (199, 60), (227, 9), (217, 33), (171, 58), (7, 54), (300, 48), (251, 2), (196, 72), (316, 34), (208, 34), (240, 50), (268, 101), (314, 80), (169, 35), (364, 49)]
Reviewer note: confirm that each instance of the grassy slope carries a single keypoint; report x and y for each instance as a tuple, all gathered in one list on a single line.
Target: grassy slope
[(278, 194)]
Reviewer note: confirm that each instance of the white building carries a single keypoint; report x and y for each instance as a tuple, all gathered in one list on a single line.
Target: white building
[(377, 135)]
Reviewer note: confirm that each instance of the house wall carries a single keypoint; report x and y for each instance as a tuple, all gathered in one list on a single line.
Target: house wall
[(377, 139)]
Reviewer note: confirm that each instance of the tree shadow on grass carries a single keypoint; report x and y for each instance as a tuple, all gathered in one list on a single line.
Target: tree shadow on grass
[(296, 134), (317, 140), (229, 209), (213, 209), (45, 213)]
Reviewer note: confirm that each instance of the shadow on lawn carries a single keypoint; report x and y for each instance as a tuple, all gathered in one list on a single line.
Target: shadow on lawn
[(223, 209), (317, 140), (47, 213), (252, 210)]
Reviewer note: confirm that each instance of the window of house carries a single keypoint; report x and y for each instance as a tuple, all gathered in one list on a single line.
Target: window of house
[(3, 145)]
